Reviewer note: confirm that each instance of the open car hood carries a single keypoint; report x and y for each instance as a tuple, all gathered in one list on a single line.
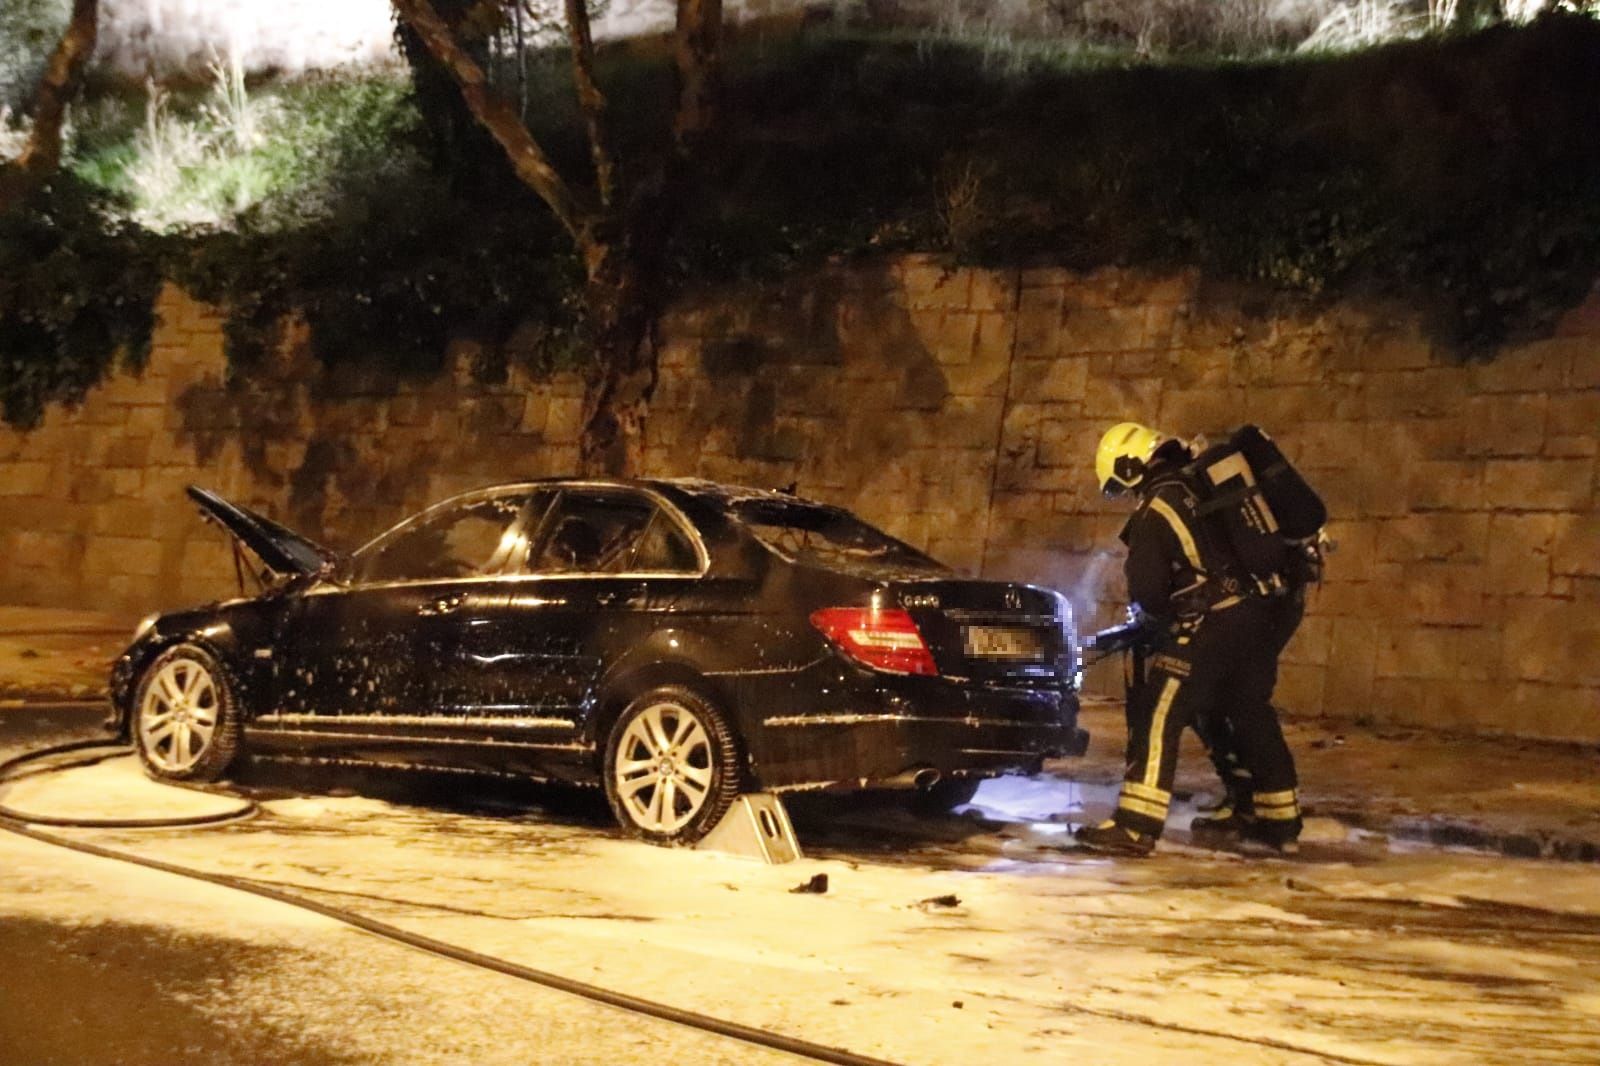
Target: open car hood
[(284, 551)]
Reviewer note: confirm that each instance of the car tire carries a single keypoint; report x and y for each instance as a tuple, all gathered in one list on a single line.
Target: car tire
[(185, 716), (671, 766), (944, 796)]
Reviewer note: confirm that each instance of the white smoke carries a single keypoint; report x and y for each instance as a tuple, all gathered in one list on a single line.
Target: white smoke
[(1093, 594)]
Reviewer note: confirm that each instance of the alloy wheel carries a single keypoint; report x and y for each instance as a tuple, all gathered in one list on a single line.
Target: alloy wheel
[(178, 715), (663, 772)]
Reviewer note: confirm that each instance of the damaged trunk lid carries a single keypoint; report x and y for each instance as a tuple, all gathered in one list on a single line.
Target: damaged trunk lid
[(285, 552)]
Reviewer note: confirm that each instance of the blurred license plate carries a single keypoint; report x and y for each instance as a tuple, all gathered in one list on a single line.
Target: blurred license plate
[(1004, 642)]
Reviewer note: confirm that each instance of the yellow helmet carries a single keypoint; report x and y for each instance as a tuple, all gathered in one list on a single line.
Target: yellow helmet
[(1119, 462)]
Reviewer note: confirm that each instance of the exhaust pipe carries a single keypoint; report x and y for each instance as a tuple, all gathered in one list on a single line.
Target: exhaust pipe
[(924, 778)]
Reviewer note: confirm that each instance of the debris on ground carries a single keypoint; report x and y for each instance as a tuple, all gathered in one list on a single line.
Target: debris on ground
[(816, 886)]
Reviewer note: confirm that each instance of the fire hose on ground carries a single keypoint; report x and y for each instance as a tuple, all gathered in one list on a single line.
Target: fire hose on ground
[(26, 825)]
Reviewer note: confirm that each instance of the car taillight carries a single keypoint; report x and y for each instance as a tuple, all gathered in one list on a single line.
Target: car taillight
[(882, 639)]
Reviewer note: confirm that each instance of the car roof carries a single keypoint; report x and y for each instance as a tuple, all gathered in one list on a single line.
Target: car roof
[(700, 488)]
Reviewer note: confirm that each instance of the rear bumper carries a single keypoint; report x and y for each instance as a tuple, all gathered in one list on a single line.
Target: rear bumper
[(886, 727)]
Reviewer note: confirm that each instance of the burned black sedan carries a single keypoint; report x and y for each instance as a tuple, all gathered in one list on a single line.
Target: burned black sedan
[(672, 641)]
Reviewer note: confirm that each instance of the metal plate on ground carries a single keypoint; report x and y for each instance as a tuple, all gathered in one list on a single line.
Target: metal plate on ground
[(755, 827)]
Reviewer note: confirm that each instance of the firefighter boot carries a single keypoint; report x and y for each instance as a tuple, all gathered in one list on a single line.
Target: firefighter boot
[(1277, 821), (1282, 837), (1229, 820), (1113, 839), (1224, 825)]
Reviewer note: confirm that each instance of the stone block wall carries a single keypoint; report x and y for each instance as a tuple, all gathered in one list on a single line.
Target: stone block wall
[(961, 409), (958, 408)]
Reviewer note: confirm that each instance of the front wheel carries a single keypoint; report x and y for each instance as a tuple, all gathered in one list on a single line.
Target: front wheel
[(671, 766), (186, 721)]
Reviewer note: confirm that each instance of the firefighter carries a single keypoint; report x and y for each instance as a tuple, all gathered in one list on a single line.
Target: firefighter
[(1214, 651), (1231, 818)]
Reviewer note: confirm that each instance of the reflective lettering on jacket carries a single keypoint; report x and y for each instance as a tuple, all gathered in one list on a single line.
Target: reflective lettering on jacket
[(1170, 665)]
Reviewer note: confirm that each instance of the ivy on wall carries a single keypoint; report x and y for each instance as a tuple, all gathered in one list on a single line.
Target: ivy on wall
[(77, 294), (1459, 175), (389, 279)]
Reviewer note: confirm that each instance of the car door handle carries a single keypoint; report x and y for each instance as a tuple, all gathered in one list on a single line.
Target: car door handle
[(442, 605), (606, 599)]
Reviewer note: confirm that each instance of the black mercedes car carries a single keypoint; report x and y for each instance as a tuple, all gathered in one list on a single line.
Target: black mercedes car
[(673, 641)]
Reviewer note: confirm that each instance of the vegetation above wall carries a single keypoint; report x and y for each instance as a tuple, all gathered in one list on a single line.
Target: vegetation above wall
[(77, 292), (1458, 172)]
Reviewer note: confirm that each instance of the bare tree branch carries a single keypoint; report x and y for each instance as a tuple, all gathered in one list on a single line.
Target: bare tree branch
[(624, 240), (41, 156), (500, 118), (591, 101)]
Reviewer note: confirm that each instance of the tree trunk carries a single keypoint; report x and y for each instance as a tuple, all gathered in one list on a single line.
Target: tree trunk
[(41, 156), (622, 240), (622, 308), (698, 49)]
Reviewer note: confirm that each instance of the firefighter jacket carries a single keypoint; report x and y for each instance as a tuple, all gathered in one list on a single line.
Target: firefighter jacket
[(1176, 566)]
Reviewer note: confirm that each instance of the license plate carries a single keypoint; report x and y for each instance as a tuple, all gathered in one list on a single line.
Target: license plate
[(1004, 642)]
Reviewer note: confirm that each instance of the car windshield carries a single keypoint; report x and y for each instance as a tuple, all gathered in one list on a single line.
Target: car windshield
[(831, 537)]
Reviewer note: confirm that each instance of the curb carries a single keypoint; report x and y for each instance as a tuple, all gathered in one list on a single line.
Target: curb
[(1442, 832), (50, 701)]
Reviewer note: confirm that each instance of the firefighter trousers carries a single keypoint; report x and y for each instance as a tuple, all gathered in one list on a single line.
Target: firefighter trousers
[(1223, 665), (1216, 731)]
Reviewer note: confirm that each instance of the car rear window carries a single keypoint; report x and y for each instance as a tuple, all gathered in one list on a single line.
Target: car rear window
[(830, 537)]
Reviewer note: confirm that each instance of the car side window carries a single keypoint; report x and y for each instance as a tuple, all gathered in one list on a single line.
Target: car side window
[(611, 533), (484, 537), (664, 548)]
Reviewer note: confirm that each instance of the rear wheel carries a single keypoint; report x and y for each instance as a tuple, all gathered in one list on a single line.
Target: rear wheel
[(672, 766), (186, 721), (945, 796)]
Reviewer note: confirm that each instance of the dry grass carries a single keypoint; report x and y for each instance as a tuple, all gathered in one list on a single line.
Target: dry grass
[(1364, 23), (964, 215)]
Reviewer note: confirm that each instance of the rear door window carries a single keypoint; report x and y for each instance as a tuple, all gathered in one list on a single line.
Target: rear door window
[(601, 532)]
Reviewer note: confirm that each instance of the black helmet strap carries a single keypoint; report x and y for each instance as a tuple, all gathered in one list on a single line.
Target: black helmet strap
[(1128, 468)]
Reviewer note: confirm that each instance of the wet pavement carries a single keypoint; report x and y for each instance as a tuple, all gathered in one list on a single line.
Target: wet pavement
[(977, 937), (107, 963), (1502, 794)]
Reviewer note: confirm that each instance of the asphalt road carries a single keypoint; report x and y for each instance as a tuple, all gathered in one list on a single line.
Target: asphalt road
[(106, 964), (111, 965), (958, 940)]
